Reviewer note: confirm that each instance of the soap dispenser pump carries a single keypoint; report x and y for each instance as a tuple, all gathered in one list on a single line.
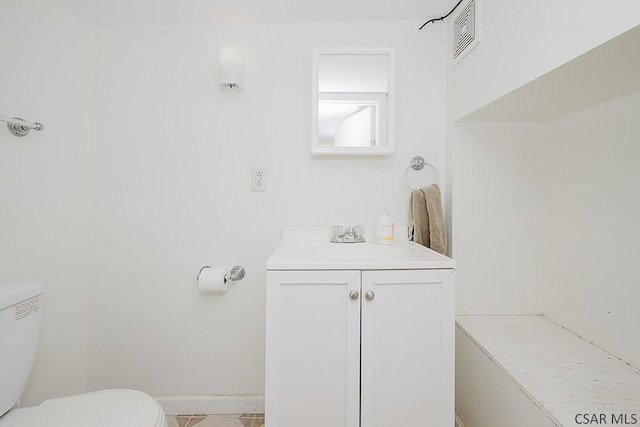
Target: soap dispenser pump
[(384, 229)]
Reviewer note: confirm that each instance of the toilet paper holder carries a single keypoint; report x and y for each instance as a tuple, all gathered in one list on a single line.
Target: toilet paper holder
[(236, 273)]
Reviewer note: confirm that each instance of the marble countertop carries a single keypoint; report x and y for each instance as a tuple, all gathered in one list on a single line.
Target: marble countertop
[(562, 373)]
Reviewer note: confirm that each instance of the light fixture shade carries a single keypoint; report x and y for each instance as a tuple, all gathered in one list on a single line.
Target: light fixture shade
[(232, 70)]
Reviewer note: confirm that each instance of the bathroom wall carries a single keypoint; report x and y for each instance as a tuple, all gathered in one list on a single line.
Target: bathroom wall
[(546, 221), (46, 74), (497, 195), (495, 206), (522, 40), (171, 193), (142, 176), (118, 216), (590, 227)]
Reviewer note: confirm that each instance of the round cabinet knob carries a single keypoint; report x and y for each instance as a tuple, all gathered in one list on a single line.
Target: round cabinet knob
[(370, 295), (354, 295)]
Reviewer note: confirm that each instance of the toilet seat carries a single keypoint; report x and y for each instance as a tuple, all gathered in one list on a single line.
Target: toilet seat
[(107, 408)]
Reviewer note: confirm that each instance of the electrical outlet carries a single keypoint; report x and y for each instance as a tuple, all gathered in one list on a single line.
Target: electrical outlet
[(259, 178)]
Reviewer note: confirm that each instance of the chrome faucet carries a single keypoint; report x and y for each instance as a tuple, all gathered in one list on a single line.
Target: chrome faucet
[(347, 234)]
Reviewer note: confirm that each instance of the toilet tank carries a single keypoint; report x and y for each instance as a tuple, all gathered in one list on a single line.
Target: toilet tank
[(20, 318)]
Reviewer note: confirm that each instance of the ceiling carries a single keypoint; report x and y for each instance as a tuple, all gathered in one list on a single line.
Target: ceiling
[(106, 13)]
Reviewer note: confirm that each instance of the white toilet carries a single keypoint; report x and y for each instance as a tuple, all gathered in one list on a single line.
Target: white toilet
[(20, 318)]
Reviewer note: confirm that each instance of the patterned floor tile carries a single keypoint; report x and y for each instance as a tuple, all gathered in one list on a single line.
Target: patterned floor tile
[(194, 420), (247, 420), (240, 420), (218, 422)]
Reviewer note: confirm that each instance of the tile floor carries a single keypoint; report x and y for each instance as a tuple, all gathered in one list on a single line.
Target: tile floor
[(242, 420)]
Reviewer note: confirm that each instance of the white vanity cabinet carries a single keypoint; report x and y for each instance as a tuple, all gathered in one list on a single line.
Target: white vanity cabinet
[(360, 347)]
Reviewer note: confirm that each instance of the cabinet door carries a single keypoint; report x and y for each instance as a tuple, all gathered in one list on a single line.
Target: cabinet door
[(312, 349), (407, 348)]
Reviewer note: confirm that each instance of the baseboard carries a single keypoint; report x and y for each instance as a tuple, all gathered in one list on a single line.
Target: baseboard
[(459, 422), (213, 405)]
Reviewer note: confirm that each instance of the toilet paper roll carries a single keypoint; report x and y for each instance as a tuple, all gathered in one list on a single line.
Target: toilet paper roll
[(211, 281)]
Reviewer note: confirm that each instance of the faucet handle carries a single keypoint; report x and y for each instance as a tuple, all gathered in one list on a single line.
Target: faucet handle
[(349, 235), (336, 233)]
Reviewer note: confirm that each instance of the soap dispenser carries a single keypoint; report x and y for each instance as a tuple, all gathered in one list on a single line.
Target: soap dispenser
[(384, 229)]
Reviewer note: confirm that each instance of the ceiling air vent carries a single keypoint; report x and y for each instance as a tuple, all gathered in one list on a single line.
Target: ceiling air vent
[(465, 31)]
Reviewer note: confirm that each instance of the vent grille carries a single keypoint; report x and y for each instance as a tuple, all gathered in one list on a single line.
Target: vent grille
[(26, 308), (464, 29)]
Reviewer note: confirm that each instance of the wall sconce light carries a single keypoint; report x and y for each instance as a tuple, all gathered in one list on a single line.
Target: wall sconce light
[(232, 69)]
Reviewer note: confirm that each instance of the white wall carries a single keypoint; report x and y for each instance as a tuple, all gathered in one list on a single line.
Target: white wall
[(46, 74), (546, 221), (497, 191), (521, 40), (496, 205), (590, 228), (142, 176), (172, 164), (124, 212)]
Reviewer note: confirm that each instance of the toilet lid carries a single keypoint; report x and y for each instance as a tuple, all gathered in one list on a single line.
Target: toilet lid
[(107, 408)]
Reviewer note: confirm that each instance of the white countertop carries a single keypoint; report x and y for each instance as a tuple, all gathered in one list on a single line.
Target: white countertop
[(324, 255)]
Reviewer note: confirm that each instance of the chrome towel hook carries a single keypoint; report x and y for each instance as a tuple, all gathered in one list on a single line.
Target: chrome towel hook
[(417, 163), (19, 127)]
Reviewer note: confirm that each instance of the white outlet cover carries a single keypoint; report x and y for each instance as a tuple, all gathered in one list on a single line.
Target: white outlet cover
[(259, 178)]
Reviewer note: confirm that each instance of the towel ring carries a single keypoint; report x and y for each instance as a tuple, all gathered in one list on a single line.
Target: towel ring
[(417, 163)]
